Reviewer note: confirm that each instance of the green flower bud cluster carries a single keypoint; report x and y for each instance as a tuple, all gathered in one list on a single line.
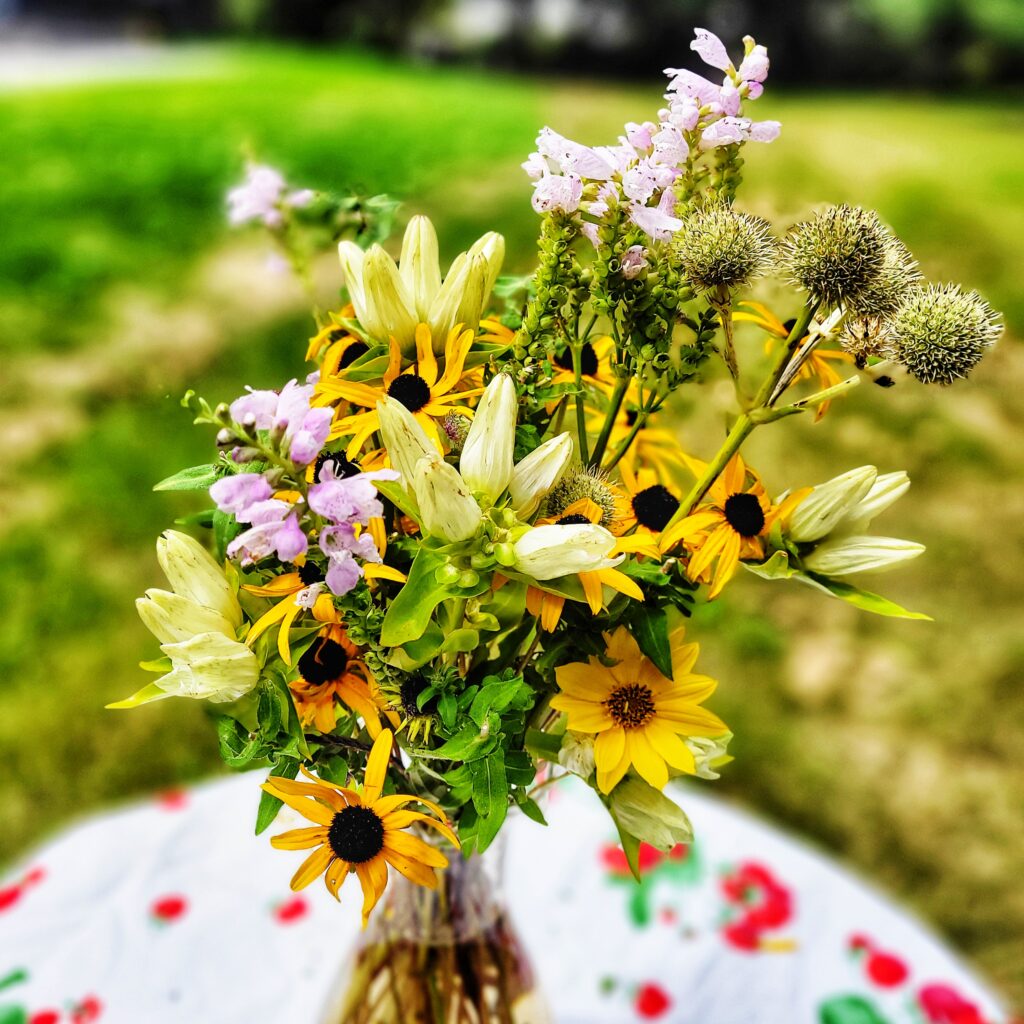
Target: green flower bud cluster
[(609, 287), (555, 282), (726, 176), (939, 333), (718, 247)]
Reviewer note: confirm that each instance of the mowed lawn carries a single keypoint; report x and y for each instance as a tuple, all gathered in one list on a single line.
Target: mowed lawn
[(896, 745)]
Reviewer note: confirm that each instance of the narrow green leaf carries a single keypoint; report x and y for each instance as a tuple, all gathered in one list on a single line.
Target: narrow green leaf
[(286, 768), (195, 478), (490, 796), (650, 628), (448, 709), (532, 810), (862, 599), (146, 695)]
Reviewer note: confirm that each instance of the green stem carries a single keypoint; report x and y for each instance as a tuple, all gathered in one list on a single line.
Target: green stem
[(762, 398), (615, 403), (581, 405), (740, 432), (766, 415)]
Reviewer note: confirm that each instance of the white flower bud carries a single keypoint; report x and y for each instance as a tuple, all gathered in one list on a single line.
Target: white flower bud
[(541, 470), (388, 297), (492, 247), (828, 503), (172, 618), (848, 555), (486, 460), (404, 439), (545, 552), (210, 666), (352, 257), (576, 754), (419, 265), (193, 574), (447, 509), (886, 489)]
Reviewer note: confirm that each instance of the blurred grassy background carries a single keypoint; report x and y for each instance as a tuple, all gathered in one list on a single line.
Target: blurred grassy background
[(894, 744)]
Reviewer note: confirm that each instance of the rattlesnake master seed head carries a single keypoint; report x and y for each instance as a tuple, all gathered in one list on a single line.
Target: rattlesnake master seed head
[(719, 247), (897, 276), (865, 338), (939, 333), (580, 484), (837, 255)]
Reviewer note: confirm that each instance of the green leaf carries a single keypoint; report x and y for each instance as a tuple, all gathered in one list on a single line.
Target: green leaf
[(643, 811), (519, 768), (650, 628), (225, 529), (409, 615), (461, 641), (395, 493), (532, 810), (286, 768), (448, 709), (490, 796), (496, 696), (13, 1015), (850, 1010), (237, 747), (631, 848), (543, 745), (268, 711), (775, 568), (467, 744), (862, 599), (146, 695), (196, 478)]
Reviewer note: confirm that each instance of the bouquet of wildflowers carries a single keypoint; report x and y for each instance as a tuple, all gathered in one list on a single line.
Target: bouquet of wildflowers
[(462, 546)]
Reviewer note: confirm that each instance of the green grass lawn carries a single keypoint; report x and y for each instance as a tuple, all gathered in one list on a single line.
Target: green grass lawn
[(894, 744)]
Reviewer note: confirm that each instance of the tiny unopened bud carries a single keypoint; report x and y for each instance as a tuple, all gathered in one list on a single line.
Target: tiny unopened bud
[(222, 413), (225, 437)]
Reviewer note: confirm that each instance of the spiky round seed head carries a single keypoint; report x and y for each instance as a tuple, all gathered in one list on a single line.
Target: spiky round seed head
[(866, 337), (578, 484), (898, 275), (719, 247), (939, 333), (837, 254)]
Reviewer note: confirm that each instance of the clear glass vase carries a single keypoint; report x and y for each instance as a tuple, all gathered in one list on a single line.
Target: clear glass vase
[(444, 956)]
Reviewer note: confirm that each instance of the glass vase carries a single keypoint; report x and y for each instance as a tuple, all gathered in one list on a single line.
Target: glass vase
[(444, 956)]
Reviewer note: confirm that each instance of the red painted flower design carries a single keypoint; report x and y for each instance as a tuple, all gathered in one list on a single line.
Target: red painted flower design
[(169, 908), (291, 910), (761, 904), (884, 969), (88, 1010), (942, 1004), (652, 1001), (11, 894)]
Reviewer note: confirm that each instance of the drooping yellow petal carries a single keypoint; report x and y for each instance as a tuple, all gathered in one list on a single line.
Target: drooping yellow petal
[(375, 571), (455, 351), (649, 764), (417, 873), (668, 745), (307, 808), (621, 582), (403, 819), (287, 583), (609, 746), (335, 877), (608, 780), (426, 364), (299, 839), (284, 647), (728, 560), (693, 524), (708, 551), (416, 849), (377, 766), (266, 620), (312, 867)]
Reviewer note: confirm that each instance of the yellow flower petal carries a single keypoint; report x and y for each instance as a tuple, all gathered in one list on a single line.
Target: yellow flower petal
[(609, 747), (299, 839), (314, 865), (377, 766), (649, 764)]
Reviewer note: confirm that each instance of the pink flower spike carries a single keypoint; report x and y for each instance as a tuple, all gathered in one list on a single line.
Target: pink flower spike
[(572, 157), (558, 192), (535, 166), (726, 132), (710, 49), (290, 540), (754, 67), (765, 131), (655, 222), (236, 494), (730, 99), (639, 135), (686, 83), (754, 90)]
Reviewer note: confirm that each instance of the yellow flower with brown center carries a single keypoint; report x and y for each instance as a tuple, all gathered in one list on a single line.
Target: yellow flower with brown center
[(595, 365), (736, 514), (648, 504), (331, 669), (361, 832), (638, 715), (422, 388), (819, 363)]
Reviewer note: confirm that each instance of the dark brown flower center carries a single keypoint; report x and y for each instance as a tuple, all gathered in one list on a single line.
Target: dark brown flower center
[(343, 467), (654, 507), (408, 696), (356, 835), (588, 360), (573, 518), (744, 514), (352, 353), (310, 573), (323, 662), (336, 334), (631, 706), (411, 390)]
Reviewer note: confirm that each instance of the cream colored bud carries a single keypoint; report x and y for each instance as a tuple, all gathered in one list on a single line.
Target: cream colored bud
[(172, 618), (210, 666), (492, 247), (486, 460), (352, 258), (447, 509), (886, 489), (828, 503), (860, 554), (545, 552), (419, 264), (538, 473), (193, 574), (405, 440), (389, 299)]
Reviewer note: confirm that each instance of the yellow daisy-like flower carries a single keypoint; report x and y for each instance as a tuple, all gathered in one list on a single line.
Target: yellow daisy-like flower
[(638, 714), (820, 362), (361, 831), (729, 525), (648, 504), (595, 365), (333, 332), (421, 388), (331, 669)]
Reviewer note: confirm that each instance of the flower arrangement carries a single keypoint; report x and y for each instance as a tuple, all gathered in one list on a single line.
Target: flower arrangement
[(465, 547)]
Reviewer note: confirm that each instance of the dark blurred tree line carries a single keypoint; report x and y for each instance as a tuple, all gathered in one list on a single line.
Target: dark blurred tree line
[(932, 43)]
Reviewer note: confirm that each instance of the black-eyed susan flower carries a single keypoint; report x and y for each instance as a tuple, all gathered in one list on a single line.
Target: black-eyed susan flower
[(648, 505), (595, 365), (360, 831), (401, 697), (821, 363), (421, 388), (729, 526), (638, 715), (331, 670)]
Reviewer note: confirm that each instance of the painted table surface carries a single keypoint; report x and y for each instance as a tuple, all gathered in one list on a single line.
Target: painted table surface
[(172, 911)]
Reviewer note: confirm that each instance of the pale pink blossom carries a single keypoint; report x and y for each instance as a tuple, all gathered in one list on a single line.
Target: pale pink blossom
[(535, 166), (710, 49), (573, 157), (670, 147), (300, 198), (558, 192), (654, 221), (634, 262), (764, 131), (639, 135), (237, 493), (754, 66), (727, 131), (257, 197), (687, 83), (730, 99)]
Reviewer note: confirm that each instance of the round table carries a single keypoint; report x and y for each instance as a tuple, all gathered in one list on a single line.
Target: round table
[(172, 911)]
